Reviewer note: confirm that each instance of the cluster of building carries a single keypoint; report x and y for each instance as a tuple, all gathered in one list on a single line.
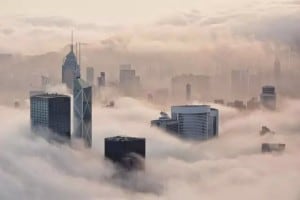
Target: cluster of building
[(53, 112)]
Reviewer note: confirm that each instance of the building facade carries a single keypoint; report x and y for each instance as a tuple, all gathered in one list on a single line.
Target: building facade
[(129, 81), (51, 111), (82, 108), (191, 122)]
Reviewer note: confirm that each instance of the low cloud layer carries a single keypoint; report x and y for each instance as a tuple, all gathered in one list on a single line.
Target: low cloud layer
[(229, 167)]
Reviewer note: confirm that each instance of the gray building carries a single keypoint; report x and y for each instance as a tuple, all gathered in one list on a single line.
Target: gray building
[(101, 80), (268, 97), (191, 121), (82, 108), (129, 81), (70, 69), (90, 75), (51, 111)]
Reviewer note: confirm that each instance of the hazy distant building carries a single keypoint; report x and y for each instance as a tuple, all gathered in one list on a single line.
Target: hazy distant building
[(188, 92), (268, 97), (101, 80), (82, 108), (129, 152), (240, 83), (70, 69), (200, 84), (90, 75), (238, 104), (191, 121), (129, 81), (36, 92), (51, 111), (272, 147), (277, 72), (253, 104)]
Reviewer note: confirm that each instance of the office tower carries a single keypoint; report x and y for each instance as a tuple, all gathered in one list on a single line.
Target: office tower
[(51, 111), (70, 68), (200, 83), (101, 80), (129, 152), (44, 81), (188, 92), (268, 97), (193, 122), (129, 82), (82, 108), (90, 75), (240, 83)]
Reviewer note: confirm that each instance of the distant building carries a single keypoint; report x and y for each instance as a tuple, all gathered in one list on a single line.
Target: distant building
[(191, 122), (129, 81), (277, 72), (188, 92), (90, 75), (70, 69), (240, 83), (268, 97), (129, 152), (82, 108), (101, 80), (51, 111), (200, 83), (272, 147), (253, 104), (219, 101), (238, 104), (36, 92)]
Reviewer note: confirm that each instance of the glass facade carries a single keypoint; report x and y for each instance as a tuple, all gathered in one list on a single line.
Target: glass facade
[(51, 111), (82, 95)]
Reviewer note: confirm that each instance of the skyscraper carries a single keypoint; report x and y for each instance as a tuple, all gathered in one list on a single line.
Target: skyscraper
[(70, 68), (188, 92), (51, 111), (101, 80), (240, 83), (90, 75), (277, 72), (191, 122), (82, 95), (268, 97)]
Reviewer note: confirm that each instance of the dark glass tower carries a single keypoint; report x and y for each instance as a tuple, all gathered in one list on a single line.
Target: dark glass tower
[(82, 108), (51, 111)]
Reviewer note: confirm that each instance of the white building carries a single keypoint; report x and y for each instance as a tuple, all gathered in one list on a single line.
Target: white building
[(196, 121)]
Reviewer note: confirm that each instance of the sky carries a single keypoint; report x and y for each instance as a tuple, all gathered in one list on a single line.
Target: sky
[(142, 21)]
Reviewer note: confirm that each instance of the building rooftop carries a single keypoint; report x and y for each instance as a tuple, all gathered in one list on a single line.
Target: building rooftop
[(50, 95), (123, 138), (82, 83)]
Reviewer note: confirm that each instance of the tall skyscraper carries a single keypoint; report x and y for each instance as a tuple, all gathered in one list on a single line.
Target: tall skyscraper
[(126, 151), (82, 95), (191, 121), (90, 75), (268, 97), (129, 82), (51, 111), (70, 68)]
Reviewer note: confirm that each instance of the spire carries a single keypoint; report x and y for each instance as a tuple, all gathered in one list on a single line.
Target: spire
[(72, 41)]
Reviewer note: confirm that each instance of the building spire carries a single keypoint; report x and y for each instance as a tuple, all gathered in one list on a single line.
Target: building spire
[(72, 38)]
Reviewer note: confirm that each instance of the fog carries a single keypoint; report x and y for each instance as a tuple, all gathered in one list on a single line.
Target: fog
[(228, 167)]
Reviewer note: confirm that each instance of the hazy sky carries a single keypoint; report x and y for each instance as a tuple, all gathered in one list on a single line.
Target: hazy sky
[(143, 22)]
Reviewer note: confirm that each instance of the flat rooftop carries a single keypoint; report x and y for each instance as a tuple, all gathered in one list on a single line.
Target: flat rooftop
[(123, 138), (50, 95)]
